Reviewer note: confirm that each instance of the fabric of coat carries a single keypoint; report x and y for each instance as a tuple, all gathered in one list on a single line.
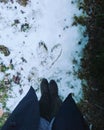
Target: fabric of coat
[(69, 117), (26, 115)]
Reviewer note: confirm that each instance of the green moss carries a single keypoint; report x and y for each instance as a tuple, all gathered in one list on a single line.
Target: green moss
[(4, 68), (3, 93), (79, 20), (3, 119), (3, 98), (25, 27), (4, 50), (23, 2)]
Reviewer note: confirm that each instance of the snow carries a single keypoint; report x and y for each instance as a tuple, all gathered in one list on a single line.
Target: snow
[(44, 48)]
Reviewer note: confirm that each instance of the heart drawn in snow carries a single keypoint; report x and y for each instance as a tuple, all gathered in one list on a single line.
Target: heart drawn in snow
[(46, 57)]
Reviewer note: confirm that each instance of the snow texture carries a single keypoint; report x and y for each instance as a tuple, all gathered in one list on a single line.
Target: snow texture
[(42, 44)]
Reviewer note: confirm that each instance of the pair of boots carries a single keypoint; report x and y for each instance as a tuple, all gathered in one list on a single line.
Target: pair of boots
[(49, 102)]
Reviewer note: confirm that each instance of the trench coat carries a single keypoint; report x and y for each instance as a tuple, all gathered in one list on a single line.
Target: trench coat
[(26, 116)]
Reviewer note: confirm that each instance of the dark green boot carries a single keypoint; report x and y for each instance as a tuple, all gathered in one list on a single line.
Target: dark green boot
[(55, 99), (44, 102)]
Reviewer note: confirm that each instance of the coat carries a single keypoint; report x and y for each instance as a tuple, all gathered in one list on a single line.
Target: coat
[(69, 117), (26, 116)]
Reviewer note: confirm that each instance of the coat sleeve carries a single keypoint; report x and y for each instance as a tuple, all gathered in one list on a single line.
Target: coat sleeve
[(26, 115), (69, 117)]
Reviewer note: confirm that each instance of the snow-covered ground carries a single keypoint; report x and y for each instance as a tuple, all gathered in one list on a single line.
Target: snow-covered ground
[(42, 44)]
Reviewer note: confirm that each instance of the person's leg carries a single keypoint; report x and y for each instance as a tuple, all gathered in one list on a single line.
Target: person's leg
[(26, 115), (49, 102), (44, 103), (69, 117), (55, 99)]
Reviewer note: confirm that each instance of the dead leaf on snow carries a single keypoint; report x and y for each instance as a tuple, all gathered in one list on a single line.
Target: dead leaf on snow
[(1, 113)]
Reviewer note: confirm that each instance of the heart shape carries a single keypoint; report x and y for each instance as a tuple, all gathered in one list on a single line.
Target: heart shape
[(46, 57)]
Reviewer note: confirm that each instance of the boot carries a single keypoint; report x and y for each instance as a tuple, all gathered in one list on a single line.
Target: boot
[(55, 99), (44, 102)]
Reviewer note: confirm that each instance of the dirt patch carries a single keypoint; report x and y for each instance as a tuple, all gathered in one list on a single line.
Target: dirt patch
[(92, 70), (4, 50), (21, 2)]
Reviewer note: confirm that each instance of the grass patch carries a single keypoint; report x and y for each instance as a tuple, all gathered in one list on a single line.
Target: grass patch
[(92, 62)]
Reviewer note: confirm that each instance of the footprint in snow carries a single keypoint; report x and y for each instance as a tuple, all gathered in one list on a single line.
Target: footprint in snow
[(42, 52)]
